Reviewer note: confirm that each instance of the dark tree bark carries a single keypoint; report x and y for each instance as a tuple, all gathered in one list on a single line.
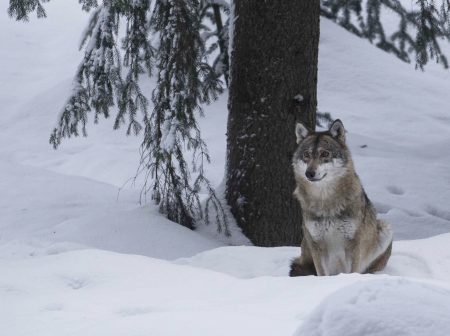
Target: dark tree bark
[(273, 85)]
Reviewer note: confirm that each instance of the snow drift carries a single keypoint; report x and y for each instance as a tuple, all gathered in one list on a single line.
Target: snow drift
[(387, 307)]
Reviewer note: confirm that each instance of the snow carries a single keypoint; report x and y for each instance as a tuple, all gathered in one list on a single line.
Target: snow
[(382, 307), (230, 290), (79, 255), (299, 98), (50, 209)]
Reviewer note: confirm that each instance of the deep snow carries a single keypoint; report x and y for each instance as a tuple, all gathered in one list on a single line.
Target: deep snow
[(382, 307), (79, 256)]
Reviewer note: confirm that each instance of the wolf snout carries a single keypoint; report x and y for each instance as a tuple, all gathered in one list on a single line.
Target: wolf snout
[(310, 174)]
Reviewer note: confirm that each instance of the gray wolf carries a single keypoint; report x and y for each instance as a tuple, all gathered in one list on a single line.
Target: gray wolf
[(341, 233)]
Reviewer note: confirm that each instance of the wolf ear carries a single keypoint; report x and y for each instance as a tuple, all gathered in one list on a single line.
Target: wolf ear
[(301, 132), (337, 131)]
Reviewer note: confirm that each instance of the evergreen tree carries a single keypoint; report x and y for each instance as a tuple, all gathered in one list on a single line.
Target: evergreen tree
[(108, 81), (184, 82), (269, 91)]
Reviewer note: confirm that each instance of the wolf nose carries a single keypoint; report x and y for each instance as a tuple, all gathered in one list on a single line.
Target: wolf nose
[(310, 174)]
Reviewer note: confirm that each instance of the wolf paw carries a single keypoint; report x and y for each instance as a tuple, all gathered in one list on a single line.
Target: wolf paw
[(300, 270)]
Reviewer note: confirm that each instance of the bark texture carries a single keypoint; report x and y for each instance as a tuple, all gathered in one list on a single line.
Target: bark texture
[(273, 85)]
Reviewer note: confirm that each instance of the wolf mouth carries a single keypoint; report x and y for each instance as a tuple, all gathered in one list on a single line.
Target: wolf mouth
[(316, 179)]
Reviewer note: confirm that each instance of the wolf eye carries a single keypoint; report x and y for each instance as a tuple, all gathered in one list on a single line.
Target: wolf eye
[(306, 155), (325, 154)]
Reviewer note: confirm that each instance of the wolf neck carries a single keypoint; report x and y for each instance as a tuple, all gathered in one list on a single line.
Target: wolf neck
[(329, 198)]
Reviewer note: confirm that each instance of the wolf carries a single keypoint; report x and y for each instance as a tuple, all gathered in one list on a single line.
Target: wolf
[(341, 233)]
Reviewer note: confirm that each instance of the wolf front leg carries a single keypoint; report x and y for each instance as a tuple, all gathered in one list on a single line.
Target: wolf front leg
[(353, 255)]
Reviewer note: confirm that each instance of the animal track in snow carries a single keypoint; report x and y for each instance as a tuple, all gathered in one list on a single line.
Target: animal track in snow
[(76, 283), (54, 307), (442, 214), (136, 311), (395, 190)]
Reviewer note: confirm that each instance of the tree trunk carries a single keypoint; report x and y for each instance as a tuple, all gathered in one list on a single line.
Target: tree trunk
[(273, 85)]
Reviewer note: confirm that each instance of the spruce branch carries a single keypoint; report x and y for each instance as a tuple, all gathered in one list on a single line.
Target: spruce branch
[(184, 82), (138, 58), (97, 77), (87, 5), (418, 34), (211, 10), (19, 9)]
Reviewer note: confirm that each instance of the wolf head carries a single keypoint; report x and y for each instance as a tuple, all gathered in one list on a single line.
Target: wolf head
[(321, 156)]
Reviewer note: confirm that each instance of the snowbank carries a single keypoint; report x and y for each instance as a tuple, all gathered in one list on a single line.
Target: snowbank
[(387, 307), (230, 291)]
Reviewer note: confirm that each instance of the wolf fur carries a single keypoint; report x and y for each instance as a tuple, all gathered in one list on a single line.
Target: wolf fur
[(341, 233)]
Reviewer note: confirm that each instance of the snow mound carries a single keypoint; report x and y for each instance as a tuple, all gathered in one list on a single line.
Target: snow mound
[(381, 308), (422, 258), (244, 261)]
